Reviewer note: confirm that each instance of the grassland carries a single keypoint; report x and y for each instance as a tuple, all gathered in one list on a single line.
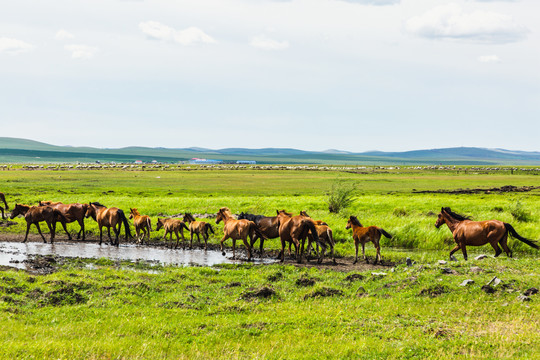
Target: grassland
[(102, 309)]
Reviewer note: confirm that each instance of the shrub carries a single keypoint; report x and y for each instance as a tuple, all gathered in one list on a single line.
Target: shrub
[(339, 198), (519, 213)]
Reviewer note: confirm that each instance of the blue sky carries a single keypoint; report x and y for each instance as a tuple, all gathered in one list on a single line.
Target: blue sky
[(358, 75)]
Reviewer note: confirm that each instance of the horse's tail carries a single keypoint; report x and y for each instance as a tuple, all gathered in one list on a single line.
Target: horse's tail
[(510, 229), (330, 236), (124, 219), (149, 223), (209, 227), (255, 228), (58, 216), (184, 226), (384, 233), (312, 229)]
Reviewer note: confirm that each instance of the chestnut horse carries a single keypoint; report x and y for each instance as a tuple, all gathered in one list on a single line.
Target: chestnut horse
[(198, 228), (141, 222), (325, 238), (236, 230), (36, 214), (268, 225), (477, 233), (108, 217), (72, 212), (292, 229), (362, 235), (3, 198), (172, 225)]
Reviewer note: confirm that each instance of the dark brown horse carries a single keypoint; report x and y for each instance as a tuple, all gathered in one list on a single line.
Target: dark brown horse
[(172, 225), (3, 198), (293, 229), (477, 233), (72, 212), (108, 217), (362, 235), (236, 230), (35, 215), (198, 228), (141, 223), (268, 225)]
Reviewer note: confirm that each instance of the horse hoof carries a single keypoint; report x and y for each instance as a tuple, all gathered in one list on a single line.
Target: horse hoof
[(354, 262), (334, 261)]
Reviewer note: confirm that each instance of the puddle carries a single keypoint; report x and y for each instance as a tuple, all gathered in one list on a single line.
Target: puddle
[(13, 254)]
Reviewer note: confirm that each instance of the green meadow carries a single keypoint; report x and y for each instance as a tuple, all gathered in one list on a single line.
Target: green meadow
[(104, 309)]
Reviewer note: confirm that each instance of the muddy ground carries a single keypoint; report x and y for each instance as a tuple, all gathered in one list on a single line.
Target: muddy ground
[(342, 264)]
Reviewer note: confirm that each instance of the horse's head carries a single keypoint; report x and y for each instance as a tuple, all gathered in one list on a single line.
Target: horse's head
[(90, 211), (353, 220), (220, 216), (242, 215), (159, 224), (19, 209), (188, 218), (440, 219), (304, 213), (283, 213), (133, 212)]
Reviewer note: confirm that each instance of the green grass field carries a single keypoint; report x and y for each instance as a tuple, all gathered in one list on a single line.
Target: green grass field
[(100, 309)]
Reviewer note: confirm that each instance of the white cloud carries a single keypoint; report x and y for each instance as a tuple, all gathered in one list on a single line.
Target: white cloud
[(262, 42), (14, 46), (189, 36), (452, 23), (64, 35), (489, 59), (79, 51)]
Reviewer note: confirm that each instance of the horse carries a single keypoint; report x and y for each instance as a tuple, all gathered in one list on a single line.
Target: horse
[(36, 214), (141, 222), (108, 217), (268, 225), (292, 229), (172, 225), (362, 235), (478, 233), (325, 238), (236, 230), (198, 228), (3, 198), (71, 212)]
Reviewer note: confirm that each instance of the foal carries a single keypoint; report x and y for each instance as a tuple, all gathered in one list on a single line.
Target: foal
[(362, 235), (198, 228), (141, 223), (172, 225)]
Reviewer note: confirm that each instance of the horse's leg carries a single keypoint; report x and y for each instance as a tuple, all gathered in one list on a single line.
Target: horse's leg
[(378, 247), (246, 243), (321, 254), (183, 239), (39, 230), (454, 250), (504, 245), (234, 249), (225, 237), (81, 223), (205, 237), (65, 229), (191, 239), (2, 209), (52, 229), (100, 234), (298, 251), (464, 251), (356, 250), (496, 247), (199, 238), (109, 233), (281, 255), (364, 252), (27, 230)]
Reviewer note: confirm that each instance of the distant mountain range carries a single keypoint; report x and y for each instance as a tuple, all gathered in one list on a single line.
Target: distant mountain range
[(14, 150)]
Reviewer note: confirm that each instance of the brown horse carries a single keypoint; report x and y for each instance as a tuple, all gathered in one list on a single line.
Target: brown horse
[(141, 223), (71, 212), (35, 215), (362, 235), (236, 230), (326, 238), (292, 229), (108, 217), (3, 198), (198, 228), (172, 225), (477, 233), (268, 225)]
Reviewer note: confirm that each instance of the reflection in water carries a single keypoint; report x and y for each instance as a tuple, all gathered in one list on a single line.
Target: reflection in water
[(13, 254)]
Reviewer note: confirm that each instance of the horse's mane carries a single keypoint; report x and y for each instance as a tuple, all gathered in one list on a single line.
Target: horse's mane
[(285, 212), (226, 210), (189, 216), (95, 203), (355, 220), (250, 217), (304, 213), (455, 215)]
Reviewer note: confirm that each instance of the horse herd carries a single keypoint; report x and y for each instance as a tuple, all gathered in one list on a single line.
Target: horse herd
[(289, 228)]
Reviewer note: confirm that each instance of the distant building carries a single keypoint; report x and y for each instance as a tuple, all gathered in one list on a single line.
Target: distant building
[(249, 162), (196, 161), (138, 161)]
